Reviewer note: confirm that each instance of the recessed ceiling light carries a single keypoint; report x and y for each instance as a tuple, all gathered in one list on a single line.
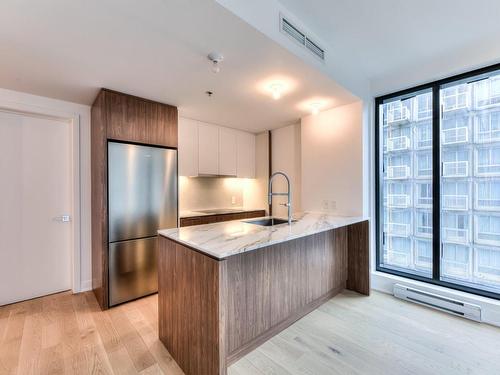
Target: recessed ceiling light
[(276, 90), (315, 107)]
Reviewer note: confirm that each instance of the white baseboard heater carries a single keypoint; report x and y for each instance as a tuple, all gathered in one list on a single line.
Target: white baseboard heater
[(435, 301)]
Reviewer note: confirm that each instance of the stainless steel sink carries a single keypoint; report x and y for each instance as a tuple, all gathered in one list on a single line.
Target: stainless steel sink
[(269, 222)]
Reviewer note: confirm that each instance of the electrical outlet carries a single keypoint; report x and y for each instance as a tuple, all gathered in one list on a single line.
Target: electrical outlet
[(325, 205), (333, 205), (233, 199)]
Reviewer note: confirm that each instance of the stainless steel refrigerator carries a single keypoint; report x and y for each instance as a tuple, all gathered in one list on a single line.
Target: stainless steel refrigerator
[(142, 198)]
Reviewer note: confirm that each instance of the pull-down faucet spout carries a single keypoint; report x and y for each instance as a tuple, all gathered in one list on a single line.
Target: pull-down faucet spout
[(288, 194)]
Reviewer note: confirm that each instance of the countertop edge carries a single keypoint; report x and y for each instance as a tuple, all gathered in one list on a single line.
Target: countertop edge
[(227, 254)]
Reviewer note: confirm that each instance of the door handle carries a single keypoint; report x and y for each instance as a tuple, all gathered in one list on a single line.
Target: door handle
[(62, 218)]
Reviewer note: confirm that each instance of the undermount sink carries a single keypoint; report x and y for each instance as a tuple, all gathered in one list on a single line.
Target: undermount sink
[(267, 222)]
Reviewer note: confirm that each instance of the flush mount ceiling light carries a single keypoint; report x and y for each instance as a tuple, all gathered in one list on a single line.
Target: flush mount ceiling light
[(216, 58), (276, 86), (276, 90), (315, 107)]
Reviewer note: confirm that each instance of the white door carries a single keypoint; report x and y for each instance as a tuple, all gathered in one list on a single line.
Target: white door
[(35, 192)]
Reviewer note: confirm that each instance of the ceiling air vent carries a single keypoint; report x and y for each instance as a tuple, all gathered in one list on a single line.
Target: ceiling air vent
[(293, 32)]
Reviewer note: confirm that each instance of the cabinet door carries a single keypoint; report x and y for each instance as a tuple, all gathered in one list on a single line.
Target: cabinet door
[(188, 147), (227, 152), (246, 155), (208, 150), (139, 120), (161, 123)]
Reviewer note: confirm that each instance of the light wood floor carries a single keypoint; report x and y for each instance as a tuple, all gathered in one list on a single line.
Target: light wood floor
[(350, 334)]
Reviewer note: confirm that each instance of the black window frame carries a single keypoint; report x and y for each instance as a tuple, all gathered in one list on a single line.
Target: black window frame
[(434, 86)]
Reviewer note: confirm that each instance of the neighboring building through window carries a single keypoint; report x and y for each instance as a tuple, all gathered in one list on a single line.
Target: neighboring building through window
[(468, 250)]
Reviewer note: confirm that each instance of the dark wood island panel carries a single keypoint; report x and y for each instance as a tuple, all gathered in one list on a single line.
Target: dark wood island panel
[(212, 312)]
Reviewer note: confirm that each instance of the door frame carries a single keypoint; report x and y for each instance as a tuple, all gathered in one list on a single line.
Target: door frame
[(73, 120)]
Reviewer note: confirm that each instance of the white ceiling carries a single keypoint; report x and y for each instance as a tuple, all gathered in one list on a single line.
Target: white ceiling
[(386, 37), (155, 49)]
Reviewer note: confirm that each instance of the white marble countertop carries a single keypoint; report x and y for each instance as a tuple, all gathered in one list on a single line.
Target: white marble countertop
[(221, 240)]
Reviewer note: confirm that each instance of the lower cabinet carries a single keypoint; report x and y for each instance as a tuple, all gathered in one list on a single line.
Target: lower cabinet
[(210, 219)]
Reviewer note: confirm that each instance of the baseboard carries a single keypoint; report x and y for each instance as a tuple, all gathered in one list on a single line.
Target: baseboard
[(490, 308), (85, 286)]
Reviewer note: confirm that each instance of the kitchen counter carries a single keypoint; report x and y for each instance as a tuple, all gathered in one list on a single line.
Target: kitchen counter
[(225, 288), (222, 240)]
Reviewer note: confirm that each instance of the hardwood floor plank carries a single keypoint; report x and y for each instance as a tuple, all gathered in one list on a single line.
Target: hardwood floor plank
[(11, 343), (350, 334), (139, 353)]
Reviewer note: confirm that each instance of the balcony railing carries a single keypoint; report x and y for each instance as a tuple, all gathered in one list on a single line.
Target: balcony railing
[(456, 169), (487, 266), (456, 269), (398, 258), (488, 94), (487, 238), (398, 143), (486, 136), (424, 231), (488, 170), (456, 202), (454, 235), (398, 200), (398, 172), (455, 135), (397, 229), (424, 201), (398, 114), (488, 204)]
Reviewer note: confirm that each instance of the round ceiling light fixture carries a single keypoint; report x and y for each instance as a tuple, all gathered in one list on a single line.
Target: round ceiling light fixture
[(216, 58)]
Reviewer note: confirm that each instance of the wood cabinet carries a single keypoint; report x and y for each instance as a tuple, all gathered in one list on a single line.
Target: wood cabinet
[(212, 312), (122, 117), (210, 219), (139, 120), (207, 149), (227, 152), (246, 155)]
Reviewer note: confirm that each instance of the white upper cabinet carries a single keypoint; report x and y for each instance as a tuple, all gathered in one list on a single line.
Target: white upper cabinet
[(208, 151), (188, 147), (227, 152), (245, 155)]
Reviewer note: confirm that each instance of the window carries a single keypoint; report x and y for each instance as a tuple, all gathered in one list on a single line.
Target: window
[(423, 223), (438, 181), (488, 161), (455, 228), (424, 135), (423, 168), (407, 183), (424, 195), (487, 127)]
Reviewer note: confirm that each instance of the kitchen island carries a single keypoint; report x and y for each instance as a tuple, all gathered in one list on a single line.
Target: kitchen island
[(226, 288)]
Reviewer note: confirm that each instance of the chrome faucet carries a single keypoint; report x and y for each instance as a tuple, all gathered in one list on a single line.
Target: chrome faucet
[(288, 194)]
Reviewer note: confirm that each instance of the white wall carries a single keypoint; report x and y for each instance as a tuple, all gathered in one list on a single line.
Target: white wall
[(13, 99), (332, 160), (286, 157)]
